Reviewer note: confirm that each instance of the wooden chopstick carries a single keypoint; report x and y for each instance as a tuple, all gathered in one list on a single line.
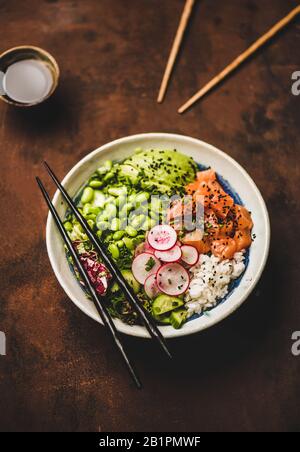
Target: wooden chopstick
[(113, 268), (101, 308), (175, 48), (240, 59)]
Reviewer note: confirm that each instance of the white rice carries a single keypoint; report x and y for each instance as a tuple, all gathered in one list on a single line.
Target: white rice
[(210, 280)]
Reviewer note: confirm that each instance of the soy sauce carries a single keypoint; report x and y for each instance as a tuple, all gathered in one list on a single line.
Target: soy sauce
[(27, 81)]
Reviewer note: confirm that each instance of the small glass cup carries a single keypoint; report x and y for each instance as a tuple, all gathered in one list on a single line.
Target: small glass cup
[(20, 53)]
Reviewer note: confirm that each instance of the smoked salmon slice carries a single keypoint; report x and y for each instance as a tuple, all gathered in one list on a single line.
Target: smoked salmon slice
[(227, 226), (206, 176), (242, 239), (195, 239), (242, 217), (224, 248)]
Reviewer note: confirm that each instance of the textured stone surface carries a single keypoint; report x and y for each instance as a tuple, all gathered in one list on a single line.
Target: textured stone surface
[(61, 371)]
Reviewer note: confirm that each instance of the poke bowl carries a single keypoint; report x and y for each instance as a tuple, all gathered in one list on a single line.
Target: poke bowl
[(184, 222)]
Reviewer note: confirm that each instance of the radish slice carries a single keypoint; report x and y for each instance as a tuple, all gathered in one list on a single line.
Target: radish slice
[(148, 248), (172, 279), (144, 265), (172, 255), (151, 287), (190, 254), (143, 248), (162, 237)]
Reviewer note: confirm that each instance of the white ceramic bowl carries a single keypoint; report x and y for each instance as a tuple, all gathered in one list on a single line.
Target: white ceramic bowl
[(202, 153)]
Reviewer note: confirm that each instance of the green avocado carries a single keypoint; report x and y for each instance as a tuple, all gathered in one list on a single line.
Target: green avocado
[(167, 171), (131, 281)]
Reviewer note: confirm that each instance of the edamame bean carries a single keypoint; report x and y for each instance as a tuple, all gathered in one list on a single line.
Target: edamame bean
[(108, 176), (87, 195), (155, 204), (107, 166), (110, 210), (86, 209), (137, 221), (96, 183), (110, 200), (91, 223), (148, 224), (115, 224), (120, 201), (68, 226), (125, 210), (99, 199), (118, 235), (117, 191), (154, 215), (131, 198), (108, 238), (99, 234), (120, 243), (103, 216), (131, 231), (102, 225), (114, 251), (128, 243), (91, 216), (142, 197)]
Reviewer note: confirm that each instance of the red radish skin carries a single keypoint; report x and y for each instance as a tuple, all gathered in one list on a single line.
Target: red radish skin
[(190, 255), (172, 255), (139, 265), (162, 237), (173, 279), (149, 249), (151, 287)]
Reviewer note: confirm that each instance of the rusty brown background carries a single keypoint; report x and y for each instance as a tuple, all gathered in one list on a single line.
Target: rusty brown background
[(61, 371)]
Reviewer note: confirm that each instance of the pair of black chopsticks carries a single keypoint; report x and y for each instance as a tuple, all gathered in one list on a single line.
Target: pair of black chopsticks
[(114, 270)]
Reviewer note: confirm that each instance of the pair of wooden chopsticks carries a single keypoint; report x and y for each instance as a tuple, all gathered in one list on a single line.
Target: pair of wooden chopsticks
[(228, 69), (114, 270)]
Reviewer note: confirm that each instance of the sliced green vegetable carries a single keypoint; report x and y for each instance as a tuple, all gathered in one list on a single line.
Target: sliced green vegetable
[(165, 303), (131, 281), (178, 317)]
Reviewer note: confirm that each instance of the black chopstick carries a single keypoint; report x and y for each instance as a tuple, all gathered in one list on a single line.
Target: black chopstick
[(101, 308), (112, 267)]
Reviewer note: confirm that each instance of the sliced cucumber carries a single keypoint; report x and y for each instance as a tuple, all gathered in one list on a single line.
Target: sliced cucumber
[(177, 318), (164, 319), (165, 303)]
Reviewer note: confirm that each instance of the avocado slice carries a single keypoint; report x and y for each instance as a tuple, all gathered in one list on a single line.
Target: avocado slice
[(165, 303), (130, 280), (129, 172)]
